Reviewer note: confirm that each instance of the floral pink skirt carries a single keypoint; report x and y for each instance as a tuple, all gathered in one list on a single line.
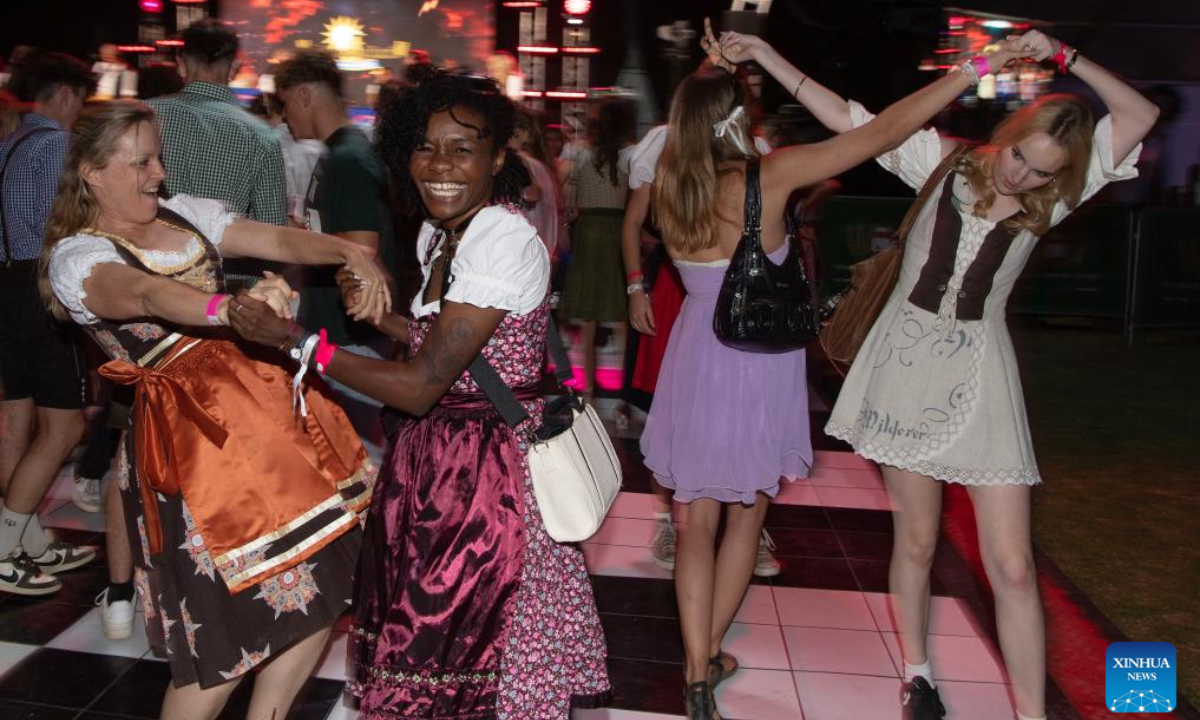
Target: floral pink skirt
[(466, 608)]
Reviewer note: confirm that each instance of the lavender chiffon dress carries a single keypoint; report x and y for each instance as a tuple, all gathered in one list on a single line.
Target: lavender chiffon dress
[(725, 424)]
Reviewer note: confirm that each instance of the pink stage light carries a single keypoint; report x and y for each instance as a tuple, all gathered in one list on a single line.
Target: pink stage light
[(151, 6), (567, 95), (537, 49), (581, 50), (522, 4), (169, 43), (577, 7), (136, 48)]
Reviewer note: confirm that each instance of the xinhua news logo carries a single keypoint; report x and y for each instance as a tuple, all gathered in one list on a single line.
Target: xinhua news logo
[(1140, 677)]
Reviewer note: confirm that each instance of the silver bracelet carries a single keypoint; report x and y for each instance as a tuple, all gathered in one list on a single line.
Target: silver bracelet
[(968, 69)]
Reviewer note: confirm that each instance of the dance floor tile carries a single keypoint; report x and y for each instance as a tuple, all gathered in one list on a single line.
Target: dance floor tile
[(13, 653), (859, 519), (801, 607), (36, 623), (86, 636), (68, 679), (635, 596), (806, 542), (622, 560), (334, 662), (947, 616), (759, 695), (646, 686), (982, 700), (614, 714), (631, 637), (838, 651), (841, 459), (827, 476), (758, 606), (968, 659), (821, 573), (626, 531), (796, 516), (854, 498), (758, 647), (799, 492), (830, 696), (866, 546), (27, 711), (139, 692)]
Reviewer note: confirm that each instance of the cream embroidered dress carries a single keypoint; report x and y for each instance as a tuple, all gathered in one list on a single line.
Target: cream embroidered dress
[(934, 393)]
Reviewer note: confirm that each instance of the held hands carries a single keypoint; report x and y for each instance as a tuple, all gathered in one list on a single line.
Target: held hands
[(739, 48), (257, 321), (373, 299), (272, 290), (1037, 46), (710, 45)]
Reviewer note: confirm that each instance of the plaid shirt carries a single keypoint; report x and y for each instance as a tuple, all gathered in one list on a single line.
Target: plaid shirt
[(212, 148), (30, 184)]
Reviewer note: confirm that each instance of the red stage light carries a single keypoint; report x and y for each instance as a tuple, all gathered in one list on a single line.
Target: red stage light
[(151, 6), (169, 43), (522, 4), (577, 7), (566, 95), (581, 50), (136, 48)]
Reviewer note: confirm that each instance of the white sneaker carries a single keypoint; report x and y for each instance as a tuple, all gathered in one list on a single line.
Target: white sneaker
[(86, 494), (116, 619), (765, 564)]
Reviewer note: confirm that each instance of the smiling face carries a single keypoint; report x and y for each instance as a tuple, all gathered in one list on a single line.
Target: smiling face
[(126, 188), (453, 168), (1028, 164)]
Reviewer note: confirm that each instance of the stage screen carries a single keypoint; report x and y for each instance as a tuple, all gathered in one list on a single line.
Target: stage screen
[(364, 34)]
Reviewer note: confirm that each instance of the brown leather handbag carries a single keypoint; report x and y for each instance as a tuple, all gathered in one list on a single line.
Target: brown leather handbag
[(872, 281)]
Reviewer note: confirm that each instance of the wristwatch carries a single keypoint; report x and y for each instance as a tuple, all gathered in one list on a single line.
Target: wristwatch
[(297, 351)]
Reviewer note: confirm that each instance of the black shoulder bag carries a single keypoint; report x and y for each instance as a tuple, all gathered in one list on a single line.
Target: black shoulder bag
[(764, 307)]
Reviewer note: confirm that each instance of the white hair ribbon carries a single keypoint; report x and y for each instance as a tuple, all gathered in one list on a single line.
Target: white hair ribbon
[(729, 127)]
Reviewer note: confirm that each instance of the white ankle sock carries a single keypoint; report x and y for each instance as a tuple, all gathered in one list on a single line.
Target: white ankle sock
[(924, 670), (1026, 717), (12, 525), (35, 539), (662, 516)]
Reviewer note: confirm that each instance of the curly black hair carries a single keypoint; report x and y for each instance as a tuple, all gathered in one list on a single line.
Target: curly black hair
[(405, 116)]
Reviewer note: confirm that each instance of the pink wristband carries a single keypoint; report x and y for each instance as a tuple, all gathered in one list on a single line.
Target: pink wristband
[(981, 66), (323, 355), (214, 306)]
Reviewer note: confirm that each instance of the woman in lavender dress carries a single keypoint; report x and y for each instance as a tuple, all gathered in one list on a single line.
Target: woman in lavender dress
[(726, 425)]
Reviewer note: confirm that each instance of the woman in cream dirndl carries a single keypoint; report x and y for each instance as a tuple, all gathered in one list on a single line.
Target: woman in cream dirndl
[(934, 395), (242, 515)]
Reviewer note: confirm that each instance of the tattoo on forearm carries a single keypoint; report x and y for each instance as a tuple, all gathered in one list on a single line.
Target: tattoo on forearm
[(450, 350)]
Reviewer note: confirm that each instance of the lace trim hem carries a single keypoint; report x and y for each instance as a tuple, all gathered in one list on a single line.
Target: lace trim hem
[(938, 471), (426, 678)]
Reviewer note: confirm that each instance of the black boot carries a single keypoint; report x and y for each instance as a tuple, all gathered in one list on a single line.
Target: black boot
[(700, 703), (919, 701)]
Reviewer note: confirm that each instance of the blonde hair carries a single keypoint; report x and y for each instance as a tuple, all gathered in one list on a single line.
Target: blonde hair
[(1069, 123), (684, 195), (93, 144)]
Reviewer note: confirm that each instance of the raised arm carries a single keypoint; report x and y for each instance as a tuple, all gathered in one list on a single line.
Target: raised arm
[(800, 165), (1132, 114), (637, 207), (830, 109)]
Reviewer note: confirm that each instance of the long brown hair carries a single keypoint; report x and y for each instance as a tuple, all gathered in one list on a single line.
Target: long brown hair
[(1065, 119), (687, 179), (93, 144), (615, 127)]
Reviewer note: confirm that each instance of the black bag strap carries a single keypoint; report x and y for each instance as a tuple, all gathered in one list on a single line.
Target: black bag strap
[(12, 150), (753, 209), (489, 381)]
